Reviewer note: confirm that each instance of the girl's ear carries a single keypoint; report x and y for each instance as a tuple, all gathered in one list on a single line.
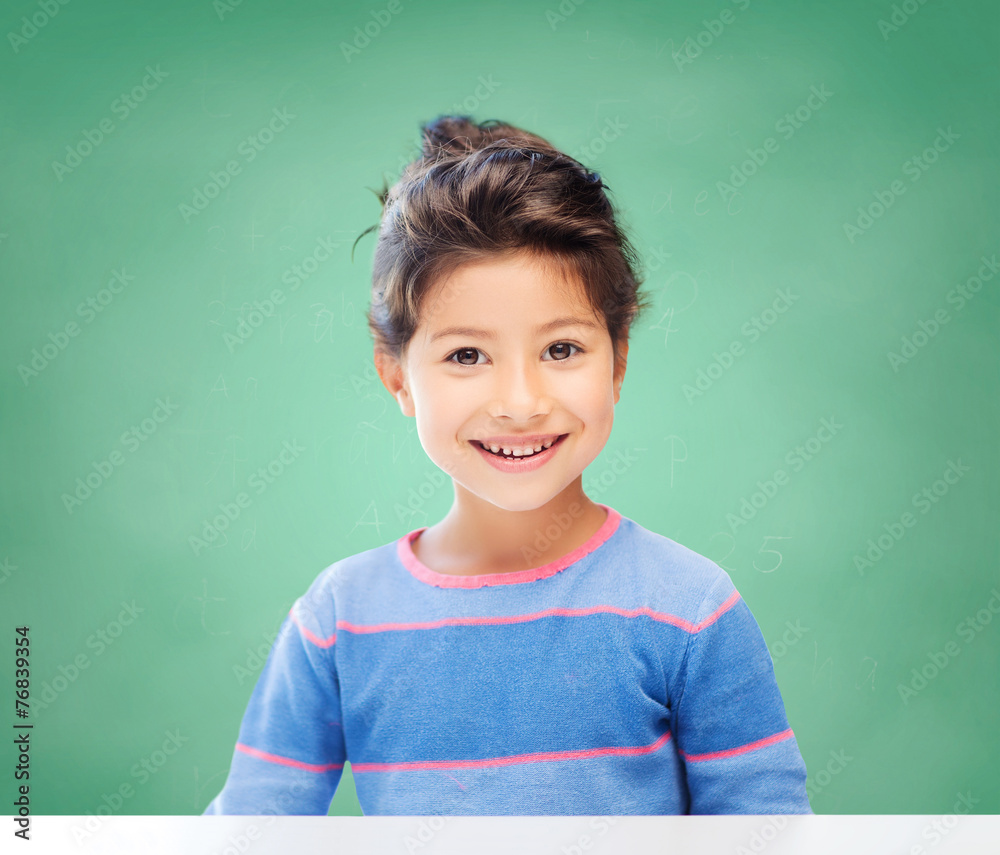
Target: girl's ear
[(393, 377), (619, 376)]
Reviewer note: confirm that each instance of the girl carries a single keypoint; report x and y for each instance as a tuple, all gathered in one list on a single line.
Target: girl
[(534, 652)]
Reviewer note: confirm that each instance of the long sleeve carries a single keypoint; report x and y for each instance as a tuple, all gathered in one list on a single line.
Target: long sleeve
[(740, 754), (290, 754)]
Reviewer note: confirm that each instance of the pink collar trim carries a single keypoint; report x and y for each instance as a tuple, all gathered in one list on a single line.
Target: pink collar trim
[(404, 550)]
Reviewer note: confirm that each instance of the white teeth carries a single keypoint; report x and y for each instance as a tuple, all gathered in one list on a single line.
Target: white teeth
[(526, 451)]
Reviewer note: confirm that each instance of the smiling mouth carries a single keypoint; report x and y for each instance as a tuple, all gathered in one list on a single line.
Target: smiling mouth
[(530, 452)]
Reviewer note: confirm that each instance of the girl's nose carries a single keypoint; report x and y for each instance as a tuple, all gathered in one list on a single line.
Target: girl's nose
[(521, 392)]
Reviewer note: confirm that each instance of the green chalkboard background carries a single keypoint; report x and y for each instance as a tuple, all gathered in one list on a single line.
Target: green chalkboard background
[(115, 116)]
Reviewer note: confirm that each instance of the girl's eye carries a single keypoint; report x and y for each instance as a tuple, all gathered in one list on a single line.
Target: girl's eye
[(464, 352), (560, 350), (563, 348)]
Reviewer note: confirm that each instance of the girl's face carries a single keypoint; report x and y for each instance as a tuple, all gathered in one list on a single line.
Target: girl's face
[(509, 354)]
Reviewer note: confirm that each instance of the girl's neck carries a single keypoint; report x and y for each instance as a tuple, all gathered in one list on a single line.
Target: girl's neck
[(476, 537)]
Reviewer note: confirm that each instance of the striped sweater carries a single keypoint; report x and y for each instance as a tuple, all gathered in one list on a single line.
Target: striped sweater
[(627, 677)]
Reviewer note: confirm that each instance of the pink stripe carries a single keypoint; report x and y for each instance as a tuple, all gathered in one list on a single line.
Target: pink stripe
[(410, 561), (743, 749), (719, 612), (286, 761), (315, 639), (544, 757), (501, 620)]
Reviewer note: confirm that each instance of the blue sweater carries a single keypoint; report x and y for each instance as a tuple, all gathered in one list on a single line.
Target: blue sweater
[(628, 677)]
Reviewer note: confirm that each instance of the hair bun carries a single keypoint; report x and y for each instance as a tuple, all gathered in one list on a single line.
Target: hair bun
[(461, 135)]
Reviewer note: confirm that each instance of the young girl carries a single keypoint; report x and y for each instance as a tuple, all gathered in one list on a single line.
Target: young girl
[(534, 652)]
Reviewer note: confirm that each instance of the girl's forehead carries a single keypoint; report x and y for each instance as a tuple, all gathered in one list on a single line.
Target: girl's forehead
[(507, 306), (543, 279)]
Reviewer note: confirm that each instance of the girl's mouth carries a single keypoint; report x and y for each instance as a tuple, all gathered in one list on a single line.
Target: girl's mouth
[(524, 463)]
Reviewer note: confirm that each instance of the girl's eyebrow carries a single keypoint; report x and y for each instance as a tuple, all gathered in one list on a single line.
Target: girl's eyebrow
[(490, 335)]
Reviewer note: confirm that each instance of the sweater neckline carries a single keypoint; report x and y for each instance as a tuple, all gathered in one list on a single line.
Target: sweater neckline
[(404, 549)]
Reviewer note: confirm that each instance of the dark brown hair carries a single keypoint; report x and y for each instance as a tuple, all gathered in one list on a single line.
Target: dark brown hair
[(485, 190)]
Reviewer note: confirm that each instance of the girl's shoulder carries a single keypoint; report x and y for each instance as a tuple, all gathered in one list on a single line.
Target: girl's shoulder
[(363, 571), (669, 574)]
